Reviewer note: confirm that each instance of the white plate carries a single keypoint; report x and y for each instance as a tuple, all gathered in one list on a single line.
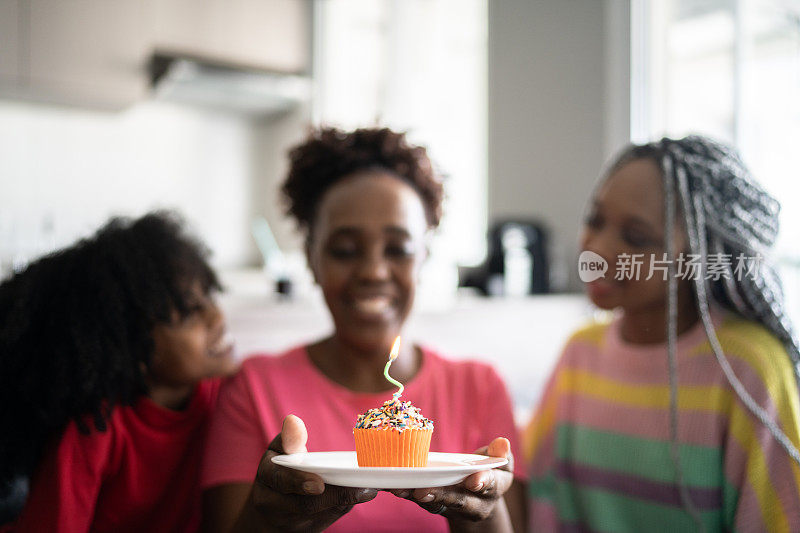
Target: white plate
[(341, 468)]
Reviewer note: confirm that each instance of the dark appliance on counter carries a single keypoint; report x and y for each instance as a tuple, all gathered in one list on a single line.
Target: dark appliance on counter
[(516, 262)]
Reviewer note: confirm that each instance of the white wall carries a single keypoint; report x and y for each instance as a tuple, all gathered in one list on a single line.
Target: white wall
[(273, 138), (558, 107), (417, 66), (63, 171)]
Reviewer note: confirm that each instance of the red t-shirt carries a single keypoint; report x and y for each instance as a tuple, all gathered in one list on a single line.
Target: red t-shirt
[(466, 400), (141, 474)]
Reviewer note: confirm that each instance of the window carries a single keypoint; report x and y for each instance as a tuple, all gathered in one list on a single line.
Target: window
[(417, 66), (729, 69)]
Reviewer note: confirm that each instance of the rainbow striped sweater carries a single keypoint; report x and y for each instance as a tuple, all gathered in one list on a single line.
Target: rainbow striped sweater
[(599, 443)]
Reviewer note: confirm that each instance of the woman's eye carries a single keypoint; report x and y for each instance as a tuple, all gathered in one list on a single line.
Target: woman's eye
[(593, 221), (343, 252), (638, 239), (194, 312), (400, 251), (198, 306), (196, 309)]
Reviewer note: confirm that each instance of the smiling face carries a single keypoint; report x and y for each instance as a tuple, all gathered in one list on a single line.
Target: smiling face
[(191, 348), (627, 217), (366, 247)]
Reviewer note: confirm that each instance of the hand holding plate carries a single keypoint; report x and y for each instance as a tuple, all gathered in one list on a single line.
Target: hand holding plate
[(291, 500), (479, 497)]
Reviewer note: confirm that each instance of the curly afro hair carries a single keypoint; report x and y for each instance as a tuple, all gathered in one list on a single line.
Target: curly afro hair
[(76, 328), (330, 154)]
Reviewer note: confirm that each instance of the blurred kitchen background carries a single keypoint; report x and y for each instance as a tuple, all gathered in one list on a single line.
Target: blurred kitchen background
[(116, 107)]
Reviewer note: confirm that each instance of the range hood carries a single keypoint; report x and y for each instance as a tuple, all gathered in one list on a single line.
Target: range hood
[(225, 86)]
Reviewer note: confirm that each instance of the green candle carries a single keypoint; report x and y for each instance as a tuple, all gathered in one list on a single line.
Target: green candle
[(392, 356)]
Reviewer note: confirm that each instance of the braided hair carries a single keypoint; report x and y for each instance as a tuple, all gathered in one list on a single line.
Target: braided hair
[(76, 329), (724, 211)]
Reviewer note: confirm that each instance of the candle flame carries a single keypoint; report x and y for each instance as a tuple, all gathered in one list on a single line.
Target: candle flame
[(395, 349)]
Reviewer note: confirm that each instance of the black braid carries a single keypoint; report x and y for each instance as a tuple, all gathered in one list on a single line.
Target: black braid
[(724, 211), (740, 218)]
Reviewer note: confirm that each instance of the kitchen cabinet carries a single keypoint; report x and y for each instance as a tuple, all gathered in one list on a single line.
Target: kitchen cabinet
[(95, 53), (264, 34), (9, 44), (91, 52)]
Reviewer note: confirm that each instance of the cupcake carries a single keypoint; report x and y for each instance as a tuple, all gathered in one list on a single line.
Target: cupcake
[(395, 434)]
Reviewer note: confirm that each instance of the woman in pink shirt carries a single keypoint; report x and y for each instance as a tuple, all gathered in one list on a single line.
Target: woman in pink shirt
[(366, 201)]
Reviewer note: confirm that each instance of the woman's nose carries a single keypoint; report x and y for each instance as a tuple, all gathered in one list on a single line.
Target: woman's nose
[(374, 267), (215, 318), (599, 242)]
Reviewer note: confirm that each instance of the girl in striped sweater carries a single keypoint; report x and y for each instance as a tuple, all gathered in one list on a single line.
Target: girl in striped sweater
[(681, 413)]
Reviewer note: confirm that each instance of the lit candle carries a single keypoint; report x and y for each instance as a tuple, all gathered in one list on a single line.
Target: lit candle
[(392, 356)]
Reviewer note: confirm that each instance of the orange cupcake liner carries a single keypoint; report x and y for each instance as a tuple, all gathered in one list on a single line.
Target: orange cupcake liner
[(388, 447)]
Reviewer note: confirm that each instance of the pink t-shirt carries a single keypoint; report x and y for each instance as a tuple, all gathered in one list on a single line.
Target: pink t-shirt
[(466, 400)]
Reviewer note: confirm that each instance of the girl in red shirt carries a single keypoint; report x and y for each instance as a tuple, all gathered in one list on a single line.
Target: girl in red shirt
[(106, 350)]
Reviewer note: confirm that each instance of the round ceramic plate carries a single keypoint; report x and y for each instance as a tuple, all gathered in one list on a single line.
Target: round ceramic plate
[(341, 468)]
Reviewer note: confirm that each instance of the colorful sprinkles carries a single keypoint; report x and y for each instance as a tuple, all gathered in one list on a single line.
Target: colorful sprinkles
[(394, 414)]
